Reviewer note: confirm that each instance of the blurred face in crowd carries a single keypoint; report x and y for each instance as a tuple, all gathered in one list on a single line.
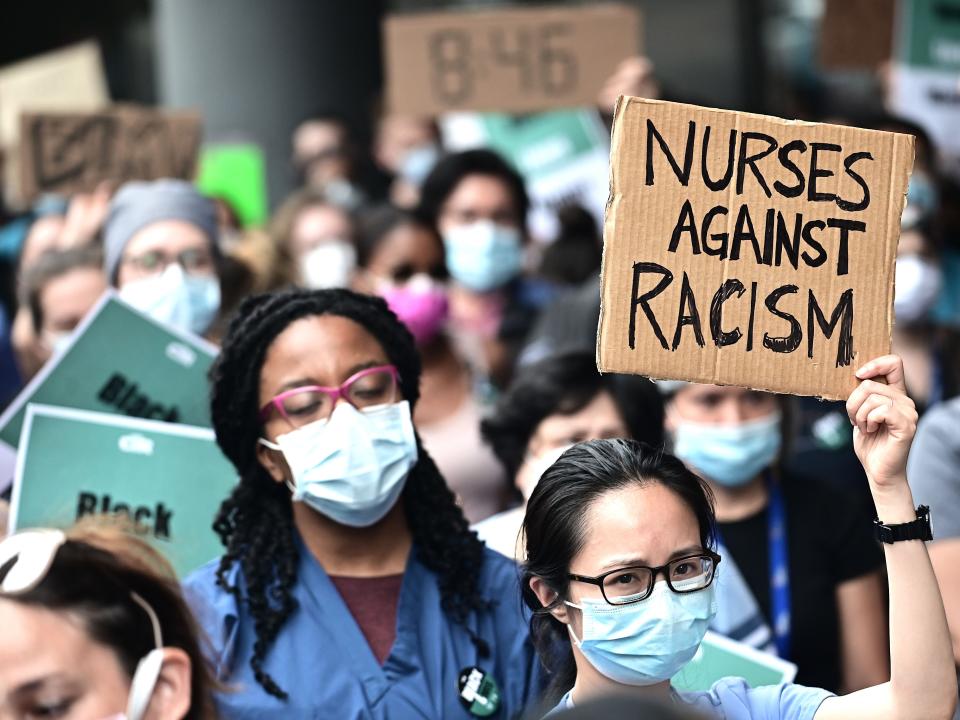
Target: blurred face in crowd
[(718, 405), (51, 668), (398, 135), (404, 252), (477, 198), (317, 225), (598, 420), (65, 300), (320, 151), (161, 244), (43, 235)]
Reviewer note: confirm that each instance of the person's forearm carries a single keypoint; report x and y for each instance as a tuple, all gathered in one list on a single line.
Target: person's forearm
[(922, 676)]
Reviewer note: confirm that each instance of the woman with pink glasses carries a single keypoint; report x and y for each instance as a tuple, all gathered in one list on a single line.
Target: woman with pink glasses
[(351, 585)]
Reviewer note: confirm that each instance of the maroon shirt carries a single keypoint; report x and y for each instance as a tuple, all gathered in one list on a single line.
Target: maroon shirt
[(373, 603)]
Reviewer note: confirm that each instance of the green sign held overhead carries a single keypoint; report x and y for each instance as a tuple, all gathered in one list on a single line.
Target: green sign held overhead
[(720, 657), (118, 361), (237, 173), (168, 480)]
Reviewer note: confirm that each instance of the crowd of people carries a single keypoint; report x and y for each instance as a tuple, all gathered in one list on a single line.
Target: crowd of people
[(443, 510)]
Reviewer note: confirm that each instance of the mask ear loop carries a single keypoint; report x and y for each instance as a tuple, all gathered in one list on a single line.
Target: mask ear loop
[(148, 669), (273, 446)]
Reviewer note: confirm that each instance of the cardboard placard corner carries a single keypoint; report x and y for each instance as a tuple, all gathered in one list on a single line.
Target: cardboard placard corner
[(505, 59), (765, 262), (67, 152)]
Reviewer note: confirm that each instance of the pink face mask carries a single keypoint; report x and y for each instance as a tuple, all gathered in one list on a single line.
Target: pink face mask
[(421, 304)]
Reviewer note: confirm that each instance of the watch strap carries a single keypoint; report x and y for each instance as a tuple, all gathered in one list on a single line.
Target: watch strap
[(919, 529)]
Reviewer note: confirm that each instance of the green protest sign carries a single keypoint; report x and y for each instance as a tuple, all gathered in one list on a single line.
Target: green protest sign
[(118, 361), (169, 480), (237, 173), (719, 657)]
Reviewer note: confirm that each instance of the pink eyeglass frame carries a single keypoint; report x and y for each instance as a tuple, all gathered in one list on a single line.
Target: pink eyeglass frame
[(334, 393)]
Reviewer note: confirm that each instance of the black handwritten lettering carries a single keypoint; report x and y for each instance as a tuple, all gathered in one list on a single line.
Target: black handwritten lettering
[(727, 290), (843, 315), (643, 301), (683, 174), (790, 342), (688, 314)]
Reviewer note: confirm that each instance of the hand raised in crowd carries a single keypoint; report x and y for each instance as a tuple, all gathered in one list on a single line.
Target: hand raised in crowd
[(85, 216), (884, 420), (633, 76)]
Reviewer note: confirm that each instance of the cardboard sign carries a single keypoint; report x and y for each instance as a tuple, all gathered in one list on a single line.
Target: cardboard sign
[(563, 156), (719, 657), (68, 79), (118, 361), (856, 34), (516, 60), (168, 480), (747, 250), (925, 76), (73, 152), (238, 173)]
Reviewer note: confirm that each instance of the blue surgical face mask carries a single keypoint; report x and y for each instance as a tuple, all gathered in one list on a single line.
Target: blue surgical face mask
[(483, 256), (418, 162), (729, 455), (353, 466), (646, 642), (187, 302)]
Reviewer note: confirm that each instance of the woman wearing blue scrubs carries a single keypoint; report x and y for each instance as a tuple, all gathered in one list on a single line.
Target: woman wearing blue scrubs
[(351, 586), (621, 563)]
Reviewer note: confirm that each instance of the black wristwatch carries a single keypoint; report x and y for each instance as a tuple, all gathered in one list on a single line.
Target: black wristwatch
[(919, 529)]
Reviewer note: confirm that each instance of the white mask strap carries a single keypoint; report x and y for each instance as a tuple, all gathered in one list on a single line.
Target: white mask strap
[(267, 443)]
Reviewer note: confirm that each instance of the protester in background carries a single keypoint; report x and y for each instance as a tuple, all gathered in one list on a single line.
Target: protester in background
[(326, 160), (318, 237), (45, 223), (574, 257), (479, 205), (798, 550), (351, 585), (94, 627), (403, 261), (550, 406), (161, 252), (934, 469), (931, 355), (406, 147), (611, 516), (59, 289)]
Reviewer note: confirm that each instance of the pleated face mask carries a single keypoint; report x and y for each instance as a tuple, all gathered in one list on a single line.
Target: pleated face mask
[(353, 466), (645, 642)]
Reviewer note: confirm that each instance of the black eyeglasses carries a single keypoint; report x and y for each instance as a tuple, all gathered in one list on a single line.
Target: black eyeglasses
[(632, 584)]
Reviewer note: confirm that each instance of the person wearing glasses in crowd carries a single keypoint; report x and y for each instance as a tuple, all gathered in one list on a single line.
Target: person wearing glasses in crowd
[(621, 561), (351, 585), (161, 253), (95, 627)]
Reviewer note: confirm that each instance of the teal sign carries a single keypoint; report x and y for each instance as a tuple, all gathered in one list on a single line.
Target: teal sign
[(720, 657), (167, 480), (929, 34), (123, 362)]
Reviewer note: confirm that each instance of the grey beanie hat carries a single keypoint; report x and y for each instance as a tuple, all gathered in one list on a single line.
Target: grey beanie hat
[(139, 204)]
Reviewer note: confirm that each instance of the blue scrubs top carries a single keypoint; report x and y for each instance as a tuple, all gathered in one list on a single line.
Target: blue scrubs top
[(322, 660), (733, 699)]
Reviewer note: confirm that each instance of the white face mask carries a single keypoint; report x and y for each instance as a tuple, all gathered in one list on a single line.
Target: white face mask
[(353, 466), (329, 265), (56, 340), (187, 302), (918, 282)]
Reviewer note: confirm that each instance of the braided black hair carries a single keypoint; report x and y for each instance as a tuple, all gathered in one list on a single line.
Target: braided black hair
[(255, 523)]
